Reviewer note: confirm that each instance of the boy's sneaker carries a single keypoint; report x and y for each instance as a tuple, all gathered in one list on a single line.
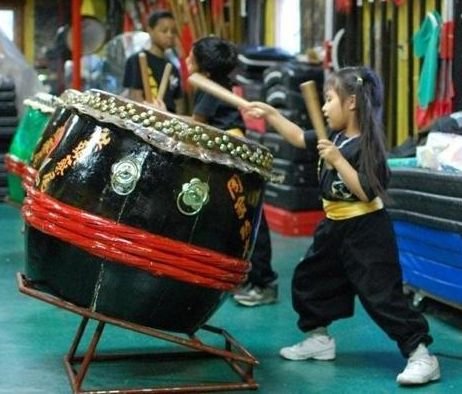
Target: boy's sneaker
[(253, 295), (420, 369), (316, 347)]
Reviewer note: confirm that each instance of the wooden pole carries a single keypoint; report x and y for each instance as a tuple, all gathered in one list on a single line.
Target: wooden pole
[(164, 81), (76, 44), (216, 90), (145, 76), (311, 98)]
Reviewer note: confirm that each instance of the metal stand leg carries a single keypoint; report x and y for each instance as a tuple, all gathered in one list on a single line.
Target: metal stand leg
[(239, 359)]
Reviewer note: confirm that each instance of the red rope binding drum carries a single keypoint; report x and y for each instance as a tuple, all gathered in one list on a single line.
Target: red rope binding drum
[(28, 177), (158, 255), (15, 165), (21, 169)]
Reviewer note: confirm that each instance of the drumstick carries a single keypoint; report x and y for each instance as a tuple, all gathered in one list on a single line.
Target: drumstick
[(216, 90), (145, 76), (164, 81), (310, 95)]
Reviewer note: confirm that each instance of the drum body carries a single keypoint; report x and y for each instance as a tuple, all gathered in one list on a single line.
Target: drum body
[(38, 110), (81, 171)]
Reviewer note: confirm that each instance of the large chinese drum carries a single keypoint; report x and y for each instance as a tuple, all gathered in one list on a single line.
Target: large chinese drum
[(141, 215), (38, 110)]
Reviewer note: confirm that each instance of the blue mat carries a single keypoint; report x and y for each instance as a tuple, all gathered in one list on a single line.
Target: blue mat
[(431, 260)]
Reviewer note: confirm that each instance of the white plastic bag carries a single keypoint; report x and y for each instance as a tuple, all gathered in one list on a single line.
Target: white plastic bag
[(14, 65), (442, 152)]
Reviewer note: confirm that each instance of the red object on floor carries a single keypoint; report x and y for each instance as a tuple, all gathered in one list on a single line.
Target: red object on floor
[(290, 223)]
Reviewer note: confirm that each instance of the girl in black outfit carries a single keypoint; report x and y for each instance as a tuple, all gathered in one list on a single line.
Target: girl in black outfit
[(354, 251)]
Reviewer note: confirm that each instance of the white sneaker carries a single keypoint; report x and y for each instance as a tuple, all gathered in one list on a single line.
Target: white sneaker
[(420, 369), (316, 347), (252, 295)]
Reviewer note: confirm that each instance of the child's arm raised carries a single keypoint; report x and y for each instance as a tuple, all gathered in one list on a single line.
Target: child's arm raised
[(287, 129)]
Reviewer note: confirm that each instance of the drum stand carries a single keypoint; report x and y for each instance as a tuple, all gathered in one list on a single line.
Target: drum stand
[(240, 360)]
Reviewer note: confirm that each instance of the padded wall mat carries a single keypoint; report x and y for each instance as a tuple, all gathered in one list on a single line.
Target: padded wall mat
[(293, 198), (439, 280), (428, 181), (426, 203), (431, 260), (442, 247), (426, 197), (282, 149), (297, 174), (426, 220)]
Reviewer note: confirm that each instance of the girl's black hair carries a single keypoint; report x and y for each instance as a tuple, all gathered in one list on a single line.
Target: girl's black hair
[(156, 16), (216, 57), (367, 87)]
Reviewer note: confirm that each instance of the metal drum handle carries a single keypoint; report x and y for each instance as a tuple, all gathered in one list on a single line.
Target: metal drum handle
[(193, 196)]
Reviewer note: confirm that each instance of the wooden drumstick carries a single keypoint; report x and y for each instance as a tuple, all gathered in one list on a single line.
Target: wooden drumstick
[(310, 95), (145, 77), (216, 90), (164, 81)]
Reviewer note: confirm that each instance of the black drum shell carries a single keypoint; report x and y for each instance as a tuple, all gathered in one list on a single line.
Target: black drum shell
[(115, 289), (57, 120)]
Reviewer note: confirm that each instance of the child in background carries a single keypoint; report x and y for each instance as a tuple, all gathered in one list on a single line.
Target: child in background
[(354, 251), (216, 58), (162, 30)]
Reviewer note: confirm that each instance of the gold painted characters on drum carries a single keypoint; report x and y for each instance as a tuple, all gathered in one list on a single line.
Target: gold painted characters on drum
[(236, 191), (47, 147), (103, 139)]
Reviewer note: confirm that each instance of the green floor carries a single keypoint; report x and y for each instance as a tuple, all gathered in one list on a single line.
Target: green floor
[(34, 336)]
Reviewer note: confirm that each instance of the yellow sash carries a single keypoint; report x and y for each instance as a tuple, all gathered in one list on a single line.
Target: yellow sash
[(341, 210)]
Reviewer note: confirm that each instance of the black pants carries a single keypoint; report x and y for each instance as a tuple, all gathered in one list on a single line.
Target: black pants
[(352, 257), (261, 272)]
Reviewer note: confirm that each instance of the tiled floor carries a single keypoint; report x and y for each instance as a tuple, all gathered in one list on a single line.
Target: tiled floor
[(34, 336)]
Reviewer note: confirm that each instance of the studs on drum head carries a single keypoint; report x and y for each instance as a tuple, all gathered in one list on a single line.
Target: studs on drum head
[(193, 196), (148, 125), (125, 175)]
